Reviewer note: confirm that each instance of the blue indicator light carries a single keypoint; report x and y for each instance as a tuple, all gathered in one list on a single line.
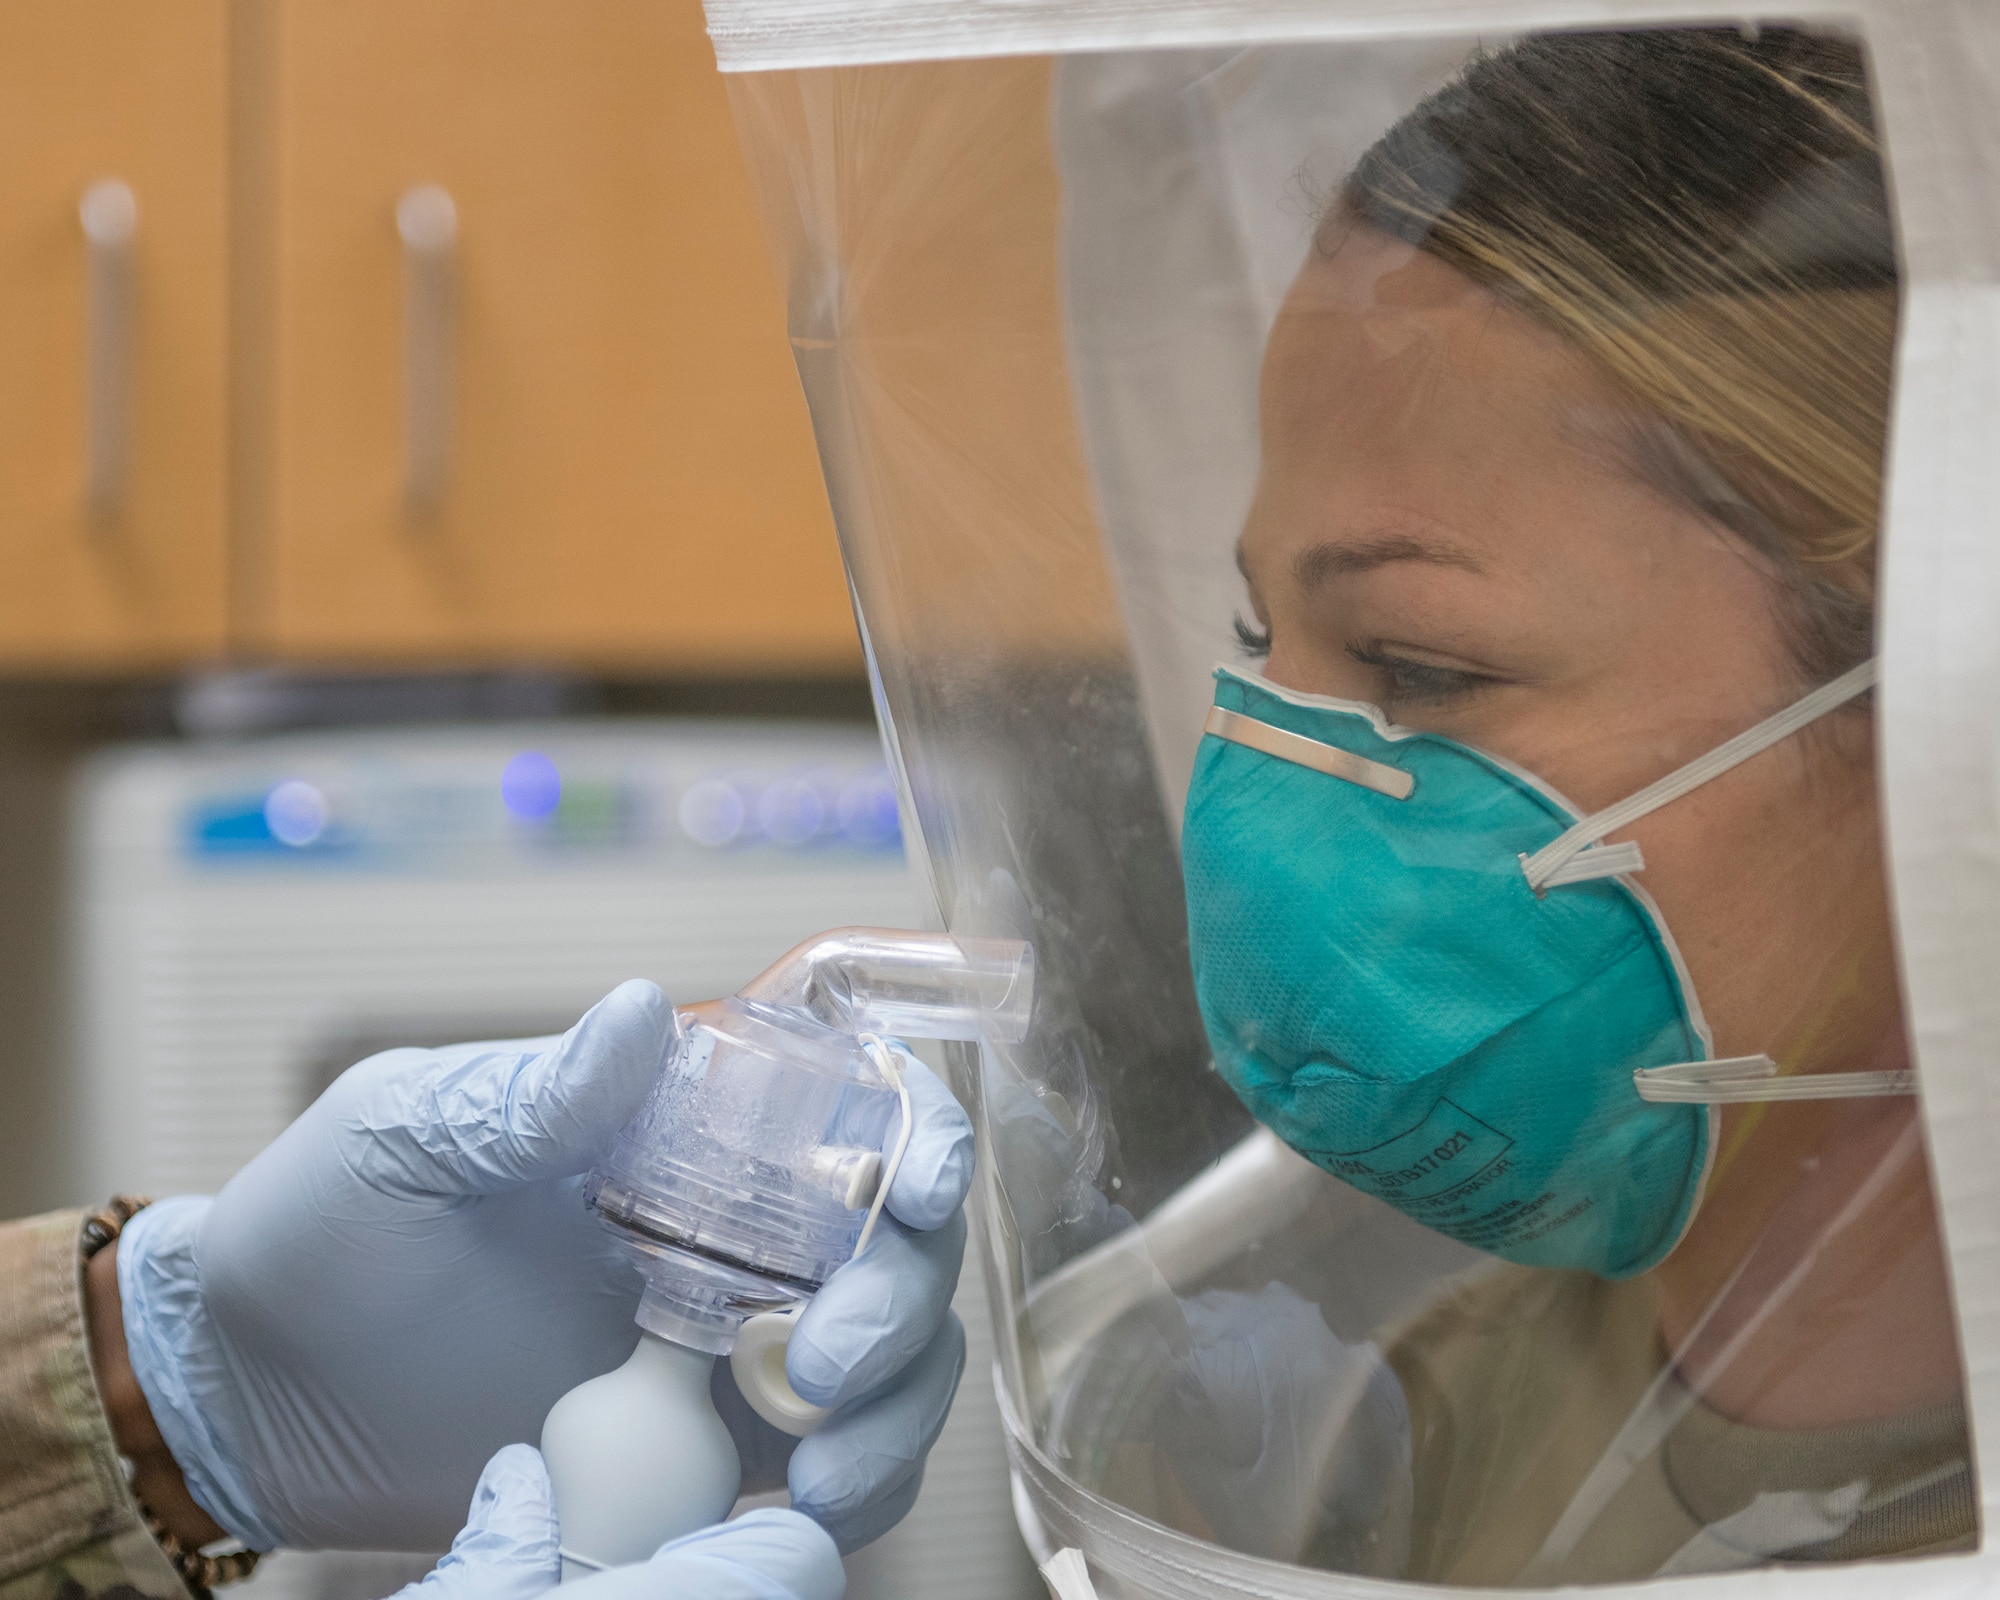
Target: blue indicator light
[(867, 812), (791, 811), (530, 787), (296, 813), (712, 813)]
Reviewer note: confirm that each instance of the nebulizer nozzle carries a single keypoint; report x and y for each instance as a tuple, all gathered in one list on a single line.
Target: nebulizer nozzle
[(918, 985), (758, 1165)]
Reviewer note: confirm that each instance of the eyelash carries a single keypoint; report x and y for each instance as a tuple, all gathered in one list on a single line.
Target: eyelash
[(1252, 641), (1418, 682)]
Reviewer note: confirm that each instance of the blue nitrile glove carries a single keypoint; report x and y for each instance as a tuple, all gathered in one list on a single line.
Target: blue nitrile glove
[(507, 1551), (407, 1279)]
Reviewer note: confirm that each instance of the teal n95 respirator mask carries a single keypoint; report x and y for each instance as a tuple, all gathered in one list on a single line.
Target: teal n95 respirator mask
[(1423, 970)]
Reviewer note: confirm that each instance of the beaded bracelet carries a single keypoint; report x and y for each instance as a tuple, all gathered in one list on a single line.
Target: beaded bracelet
[(199, 1572)]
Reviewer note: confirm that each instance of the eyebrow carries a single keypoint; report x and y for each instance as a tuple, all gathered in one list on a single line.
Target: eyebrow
[(1312, 567)]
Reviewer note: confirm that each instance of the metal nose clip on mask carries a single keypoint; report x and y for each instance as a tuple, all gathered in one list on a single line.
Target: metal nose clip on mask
[(755, 1168), (1425, 972)]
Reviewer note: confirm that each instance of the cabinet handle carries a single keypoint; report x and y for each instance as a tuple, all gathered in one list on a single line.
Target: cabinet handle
[(427, 221), (110, 215)]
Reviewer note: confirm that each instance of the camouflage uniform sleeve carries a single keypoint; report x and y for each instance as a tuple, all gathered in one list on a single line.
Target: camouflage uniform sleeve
[(69, 1527)]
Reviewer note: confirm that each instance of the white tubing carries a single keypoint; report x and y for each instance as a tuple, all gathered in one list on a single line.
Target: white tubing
[(757, 1359)]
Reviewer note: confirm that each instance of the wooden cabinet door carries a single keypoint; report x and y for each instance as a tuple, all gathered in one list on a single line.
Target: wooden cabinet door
[(630, 478), (130, 94)]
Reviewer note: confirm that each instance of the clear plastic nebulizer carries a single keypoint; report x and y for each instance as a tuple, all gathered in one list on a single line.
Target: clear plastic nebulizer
[(756, 1167)]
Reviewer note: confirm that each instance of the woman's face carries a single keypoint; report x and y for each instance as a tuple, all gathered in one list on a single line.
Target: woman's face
[(1445, 524)]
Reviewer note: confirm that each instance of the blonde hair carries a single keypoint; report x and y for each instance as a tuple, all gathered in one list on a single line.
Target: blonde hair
[(1703, 213)]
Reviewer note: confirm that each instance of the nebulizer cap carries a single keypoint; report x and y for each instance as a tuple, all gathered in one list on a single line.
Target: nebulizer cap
[(757, 1166)]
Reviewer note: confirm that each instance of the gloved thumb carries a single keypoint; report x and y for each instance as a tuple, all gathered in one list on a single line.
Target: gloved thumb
[(762, 1555), (478, 1120), (508, 1549)]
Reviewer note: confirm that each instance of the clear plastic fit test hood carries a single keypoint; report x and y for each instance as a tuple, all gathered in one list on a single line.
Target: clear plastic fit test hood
[(1032, 254)]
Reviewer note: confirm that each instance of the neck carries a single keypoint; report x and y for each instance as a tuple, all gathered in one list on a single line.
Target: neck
[(1811, 1291)]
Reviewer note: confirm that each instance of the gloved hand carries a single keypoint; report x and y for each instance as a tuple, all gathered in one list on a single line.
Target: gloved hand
[(407, 1279), (507, 1551)]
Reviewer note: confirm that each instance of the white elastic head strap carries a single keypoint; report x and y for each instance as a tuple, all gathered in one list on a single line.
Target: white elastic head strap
[(1577, 857)]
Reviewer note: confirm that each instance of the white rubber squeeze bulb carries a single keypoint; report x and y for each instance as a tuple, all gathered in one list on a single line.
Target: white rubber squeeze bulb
[(638, 1457)]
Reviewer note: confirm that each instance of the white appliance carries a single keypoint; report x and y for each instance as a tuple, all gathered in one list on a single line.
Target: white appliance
[(250, 918)]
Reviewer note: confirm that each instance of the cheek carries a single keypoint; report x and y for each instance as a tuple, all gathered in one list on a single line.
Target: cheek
[(1638, 667), (1771, 882)]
